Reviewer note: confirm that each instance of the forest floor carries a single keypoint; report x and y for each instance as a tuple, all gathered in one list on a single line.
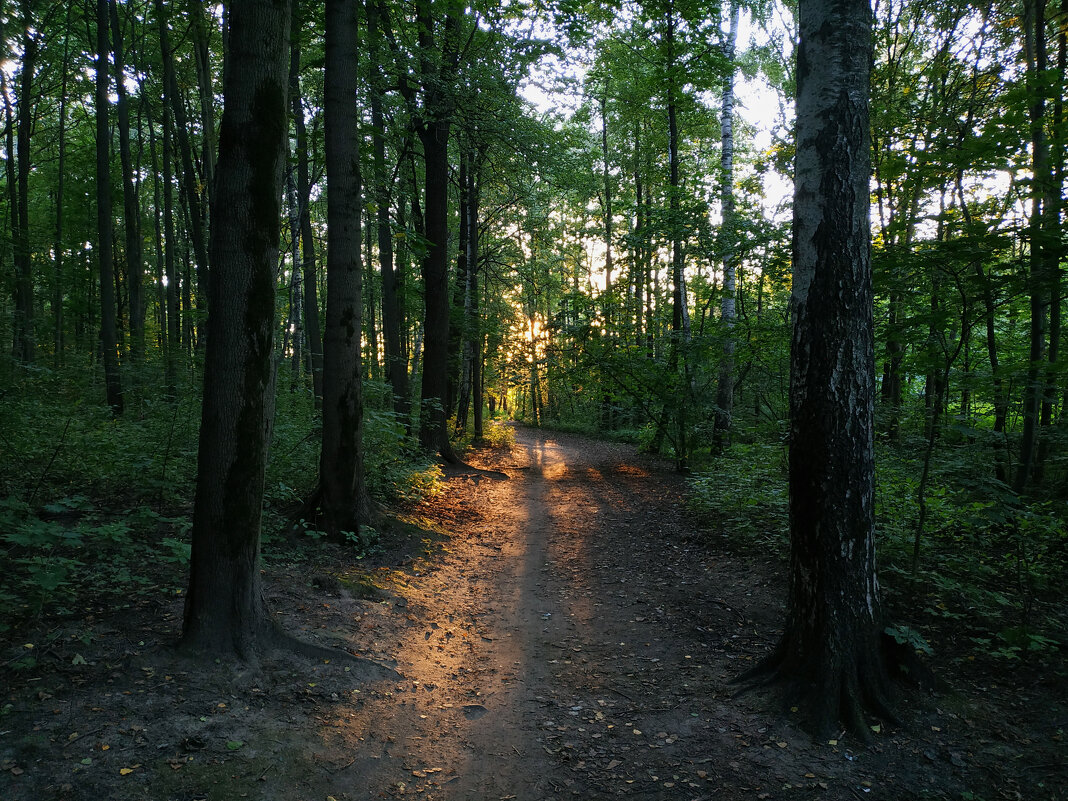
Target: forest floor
[(556, 627)]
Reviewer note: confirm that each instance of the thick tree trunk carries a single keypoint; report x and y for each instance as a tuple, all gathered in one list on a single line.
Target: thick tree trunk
[(225, 609), (830, 655), (343, 501), (433, 424), (104, 251)]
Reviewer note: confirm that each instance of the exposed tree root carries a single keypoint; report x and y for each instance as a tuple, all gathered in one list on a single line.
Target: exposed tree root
[(267, 640), (835, 692)]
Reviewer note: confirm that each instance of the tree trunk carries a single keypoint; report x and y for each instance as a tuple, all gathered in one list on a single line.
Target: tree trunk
[(433, 428), (830, 655), (1038, 281), (296, 290), (392, 322), (725, 380), (131, 209), (469, 332), (226, 612), (57, 289), (343, 503), (680, 313), (307, 241), (25, 344), (108, 343), (170, 261), (206, 93), (174, 99)]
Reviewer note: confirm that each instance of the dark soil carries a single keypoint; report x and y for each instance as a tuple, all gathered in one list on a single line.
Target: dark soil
[(557, 629)]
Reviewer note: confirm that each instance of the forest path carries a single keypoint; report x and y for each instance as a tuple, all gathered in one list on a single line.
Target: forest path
[(560, 630), (569, 643)]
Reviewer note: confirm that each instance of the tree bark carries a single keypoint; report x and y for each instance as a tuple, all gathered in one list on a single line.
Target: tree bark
[(343, 501), (725, 380), (396, 363), (1039, 228), (104, 251), (830, 655), (131, 209), (25, 344), (307, 241), (193, 199), (226, 612), (57, 289)]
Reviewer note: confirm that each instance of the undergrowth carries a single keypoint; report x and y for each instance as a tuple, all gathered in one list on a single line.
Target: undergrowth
[(991, 563), (96, 510)]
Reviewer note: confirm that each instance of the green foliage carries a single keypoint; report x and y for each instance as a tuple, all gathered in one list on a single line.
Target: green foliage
[(499, 435), (743, 495), (988, 557), (905, 635)]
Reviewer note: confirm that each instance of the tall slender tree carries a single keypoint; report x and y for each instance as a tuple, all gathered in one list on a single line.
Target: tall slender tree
[(104, 249), (727, 238), (343, 498)]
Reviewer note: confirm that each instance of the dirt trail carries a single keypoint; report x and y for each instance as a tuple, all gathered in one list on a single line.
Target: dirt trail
[(570, 636), (576, 642)]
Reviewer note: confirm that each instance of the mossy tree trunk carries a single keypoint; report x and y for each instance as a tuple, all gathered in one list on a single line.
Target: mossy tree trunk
[(225, 609)]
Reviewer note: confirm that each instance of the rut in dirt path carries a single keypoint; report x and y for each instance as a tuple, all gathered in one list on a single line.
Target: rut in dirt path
[(576, 640)]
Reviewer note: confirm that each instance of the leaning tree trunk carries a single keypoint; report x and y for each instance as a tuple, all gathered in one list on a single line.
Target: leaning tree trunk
[(830, 655), (226, 612)]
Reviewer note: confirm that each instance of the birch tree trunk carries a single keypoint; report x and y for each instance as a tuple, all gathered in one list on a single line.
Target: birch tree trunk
[(830, 656)]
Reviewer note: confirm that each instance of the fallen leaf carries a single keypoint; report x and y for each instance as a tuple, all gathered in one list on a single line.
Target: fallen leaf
[(233, 745), (128, 771), (781, 744), (78, 660)]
